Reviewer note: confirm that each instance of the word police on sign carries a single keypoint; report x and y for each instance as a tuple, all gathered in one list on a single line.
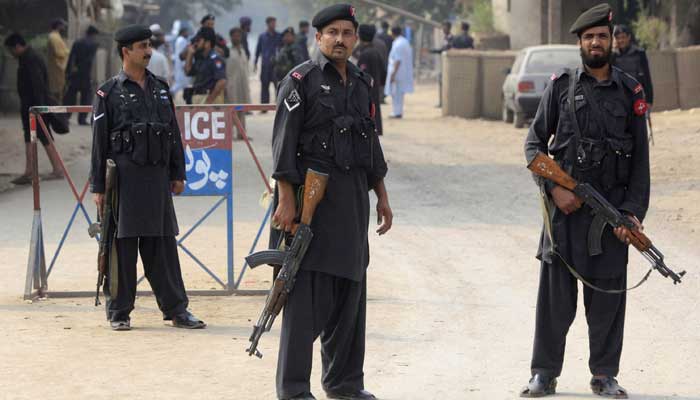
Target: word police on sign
[(206, 137)]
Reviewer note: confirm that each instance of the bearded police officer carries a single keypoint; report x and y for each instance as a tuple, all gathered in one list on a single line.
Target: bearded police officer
[(596, 115), (135, 125), (324, 121), (632, 59)]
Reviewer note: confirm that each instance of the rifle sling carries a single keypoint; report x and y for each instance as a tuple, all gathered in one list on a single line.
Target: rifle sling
[(594, 287)]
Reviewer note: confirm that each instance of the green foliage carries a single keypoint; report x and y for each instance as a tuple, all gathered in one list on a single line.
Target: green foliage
[(481, 17), (650, 31)]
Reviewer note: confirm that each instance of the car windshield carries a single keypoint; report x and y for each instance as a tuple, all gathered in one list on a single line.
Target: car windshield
[(549, 61)]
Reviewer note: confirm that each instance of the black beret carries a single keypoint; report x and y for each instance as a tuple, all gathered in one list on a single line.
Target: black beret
[(207, 18), (132, 33), (622, 29), (91, 30), (206, 34), (332, 13), (600, 15), (367, 32), (288, 30)]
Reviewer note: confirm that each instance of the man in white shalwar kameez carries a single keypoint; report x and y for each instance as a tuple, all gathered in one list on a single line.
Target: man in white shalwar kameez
[(399, 79)]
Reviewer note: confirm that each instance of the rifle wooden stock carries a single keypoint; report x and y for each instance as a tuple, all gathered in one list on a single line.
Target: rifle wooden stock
[(314, 189), (547, 168)]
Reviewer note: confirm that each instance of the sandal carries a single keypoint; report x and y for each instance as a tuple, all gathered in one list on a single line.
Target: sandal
[(539, 386), (608, 387)]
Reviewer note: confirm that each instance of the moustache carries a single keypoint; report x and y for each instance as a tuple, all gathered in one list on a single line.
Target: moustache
[(339, 46)]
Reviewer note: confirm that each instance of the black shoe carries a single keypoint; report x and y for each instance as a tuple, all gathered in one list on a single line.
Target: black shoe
[(123, 325), (539, 386), (396, 116), (608, 387), (186, 320), (303, 396), (359, 395)]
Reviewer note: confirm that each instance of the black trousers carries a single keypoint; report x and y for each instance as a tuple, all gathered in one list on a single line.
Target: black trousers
[(556, 309), (75, 89), (334, 309), (267, 76), (162, 268)]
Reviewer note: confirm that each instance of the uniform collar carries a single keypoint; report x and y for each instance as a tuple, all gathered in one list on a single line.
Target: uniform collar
[(322, 61), (122, 76), (615, 77)]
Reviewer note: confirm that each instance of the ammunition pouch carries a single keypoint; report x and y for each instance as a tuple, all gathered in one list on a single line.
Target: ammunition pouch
[(363, 142), (147, 143)]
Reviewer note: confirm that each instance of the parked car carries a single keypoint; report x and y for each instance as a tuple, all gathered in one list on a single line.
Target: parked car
[(531, 72)]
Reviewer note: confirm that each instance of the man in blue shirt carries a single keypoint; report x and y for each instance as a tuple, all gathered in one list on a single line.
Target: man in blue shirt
[(268, 43)]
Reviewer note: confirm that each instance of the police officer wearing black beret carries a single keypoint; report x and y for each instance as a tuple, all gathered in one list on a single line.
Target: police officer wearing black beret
[(596, 115), (324, 121), (134, 124)]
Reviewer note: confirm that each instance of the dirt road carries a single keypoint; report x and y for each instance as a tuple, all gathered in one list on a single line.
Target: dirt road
[(451, 288)]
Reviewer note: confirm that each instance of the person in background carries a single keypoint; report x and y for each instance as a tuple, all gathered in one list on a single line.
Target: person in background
[(447, 41), (237, 85), (32, 89), (400, 72), (463, 40), (180, 78), (632, 59), (385, 36), (209, 21), (370, 60), (208, 69), (268, 43), (79, 72), (245, 24), (288, 56), (57, 58), (303, 40), (158, 64)]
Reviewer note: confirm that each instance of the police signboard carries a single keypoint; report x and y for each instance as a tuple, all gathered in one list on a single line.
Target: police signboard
[(206, 138)]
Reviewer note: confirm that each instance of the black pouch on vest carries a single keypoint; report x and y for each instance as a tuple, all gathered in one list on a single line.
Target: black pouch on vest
[(139, 135), (363, 142), (116, 142), (342, 142), (621, 155), (157, 142)]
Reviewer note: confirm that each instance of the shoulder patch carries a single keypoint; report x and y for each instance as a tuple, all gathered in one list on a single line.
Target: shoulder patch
[(560, 73), (292, 101), (301, 70), (640, 107), (106, 87)]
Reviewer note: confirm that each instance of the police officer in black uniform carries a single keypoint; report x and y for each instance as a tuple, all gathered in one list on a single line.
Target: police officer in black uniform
[(632, 59), (134, 124), (324, 121), (596, 115), (207, 67)]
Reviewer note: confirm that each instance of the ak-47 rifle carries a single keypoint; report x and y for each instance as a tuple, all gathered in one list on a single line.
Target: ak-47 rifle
[(605, 214), (290, 260), (106, 228)]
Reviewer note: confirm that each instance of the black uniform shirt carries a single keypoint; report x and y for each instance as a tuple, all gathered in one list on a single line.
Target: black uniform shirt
[(32, 79), (207, 71), (82, 56), (463, 41), (633, 60), (317, 114), (137, 128), (623, 176)]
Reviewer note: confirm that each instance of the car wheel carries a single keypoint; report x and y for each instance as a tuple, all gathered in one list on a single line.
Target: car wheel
[(506, 114), (519, 120)]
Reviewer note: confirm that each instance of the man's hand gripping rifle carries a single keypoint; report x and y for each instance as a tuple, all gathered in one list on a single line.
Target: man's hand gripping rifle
[(290, 260), (605, 214)]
